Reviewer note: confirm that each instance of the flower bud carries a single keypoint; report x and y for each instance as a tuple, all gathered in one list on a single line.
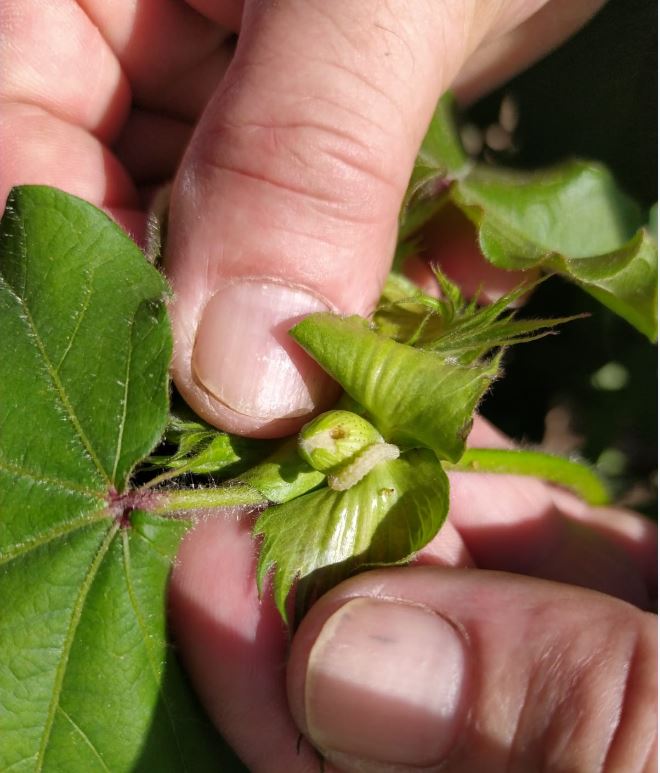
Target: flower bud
[(334, 438), (344, 446)]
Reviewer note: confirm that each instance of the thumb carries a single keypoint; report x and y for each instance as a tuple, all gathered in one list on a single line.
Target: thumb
[(474, 670), (287, 199)]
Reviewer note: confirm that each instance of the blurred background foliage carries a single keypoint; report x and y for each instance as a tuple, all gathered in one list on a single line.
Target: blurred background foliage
[(592, 389)]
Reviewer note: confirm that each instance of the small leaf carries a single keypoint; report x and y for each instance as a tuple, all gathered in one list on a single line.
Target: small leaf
[(385, 518), (413, 397), (203, 449), (572, 220)]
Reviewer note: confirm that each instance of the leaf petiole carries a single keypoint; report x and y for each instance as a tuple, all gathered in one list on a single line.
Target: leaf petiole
[(556, 469), (235, 494)]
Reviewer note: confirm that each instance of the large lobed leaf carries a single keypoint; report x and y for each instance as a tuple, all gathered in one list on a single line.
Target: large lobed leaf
[(87, 681)]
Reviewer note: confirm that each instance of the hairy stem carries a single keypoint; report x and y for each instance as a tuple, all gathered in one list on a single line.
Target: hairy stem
[(231, 495), (556, 469)]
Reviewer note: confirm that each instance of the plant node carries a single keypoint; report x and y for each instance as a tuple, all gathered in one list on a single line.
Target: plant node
[(121, 506)]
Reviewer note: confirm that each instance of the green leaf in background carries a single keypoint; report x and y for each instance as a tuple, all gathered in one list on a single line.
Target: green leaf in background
[(573, 220), (440, 159), (653, 222), (441, 155), (414, 397), (326, 535), (87, 681)]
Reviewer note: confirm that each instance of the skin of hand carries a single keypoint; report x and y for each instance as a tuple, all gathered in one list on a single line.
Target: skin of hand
[(483, 666), (293, 149)]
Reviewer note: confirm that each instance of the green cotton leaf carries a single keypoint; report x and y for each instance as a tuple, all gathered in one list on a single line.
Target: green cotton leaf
[(441, 155), (55, 305), (440, 159), (573, 220), (625, 281), (203, 449), (87, 681), (327, 535), (413, 397)]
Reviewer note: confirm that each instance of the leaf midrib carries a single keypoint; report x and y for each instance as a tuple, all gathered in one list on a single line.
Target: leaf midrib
[(58, 387), (122, 422), (64, 398)]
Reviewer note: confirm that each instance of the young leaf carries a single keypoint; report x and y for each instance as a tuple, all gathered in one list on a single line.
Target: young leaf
[(414, 397), (572, 220), (203, 449), (83, 379), (386, 517)]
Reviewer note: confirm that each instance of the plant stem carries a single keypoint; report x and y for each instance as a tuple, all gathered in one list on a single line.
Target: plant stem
[(231, 495), (164, 476), (556, 469)]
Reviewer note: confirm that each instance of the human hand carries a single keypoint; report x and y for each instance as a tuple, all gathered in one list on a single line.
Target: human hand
[(467, 669), (287, 198)]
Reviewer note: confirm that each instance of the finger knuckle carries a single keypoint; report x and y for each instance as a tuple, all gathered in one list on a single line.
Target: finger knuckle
[(310, 158)]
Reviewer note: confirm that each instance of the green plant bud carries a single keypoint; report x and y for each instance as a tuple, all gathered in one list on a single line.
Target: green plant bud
[(334, 438)]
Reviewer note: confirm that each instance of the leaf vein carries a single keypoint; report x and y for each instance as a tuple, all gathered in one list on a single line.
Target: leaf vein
[(81, 316), (60, 391), (68, 642), (85, 738), (62, 529), (124, 408), (65, 486), (151, 657)]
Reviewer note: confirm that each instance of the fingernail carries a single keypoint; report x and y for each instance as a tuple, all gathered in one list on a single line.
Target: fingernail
[(385, 683), (244, 357)]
